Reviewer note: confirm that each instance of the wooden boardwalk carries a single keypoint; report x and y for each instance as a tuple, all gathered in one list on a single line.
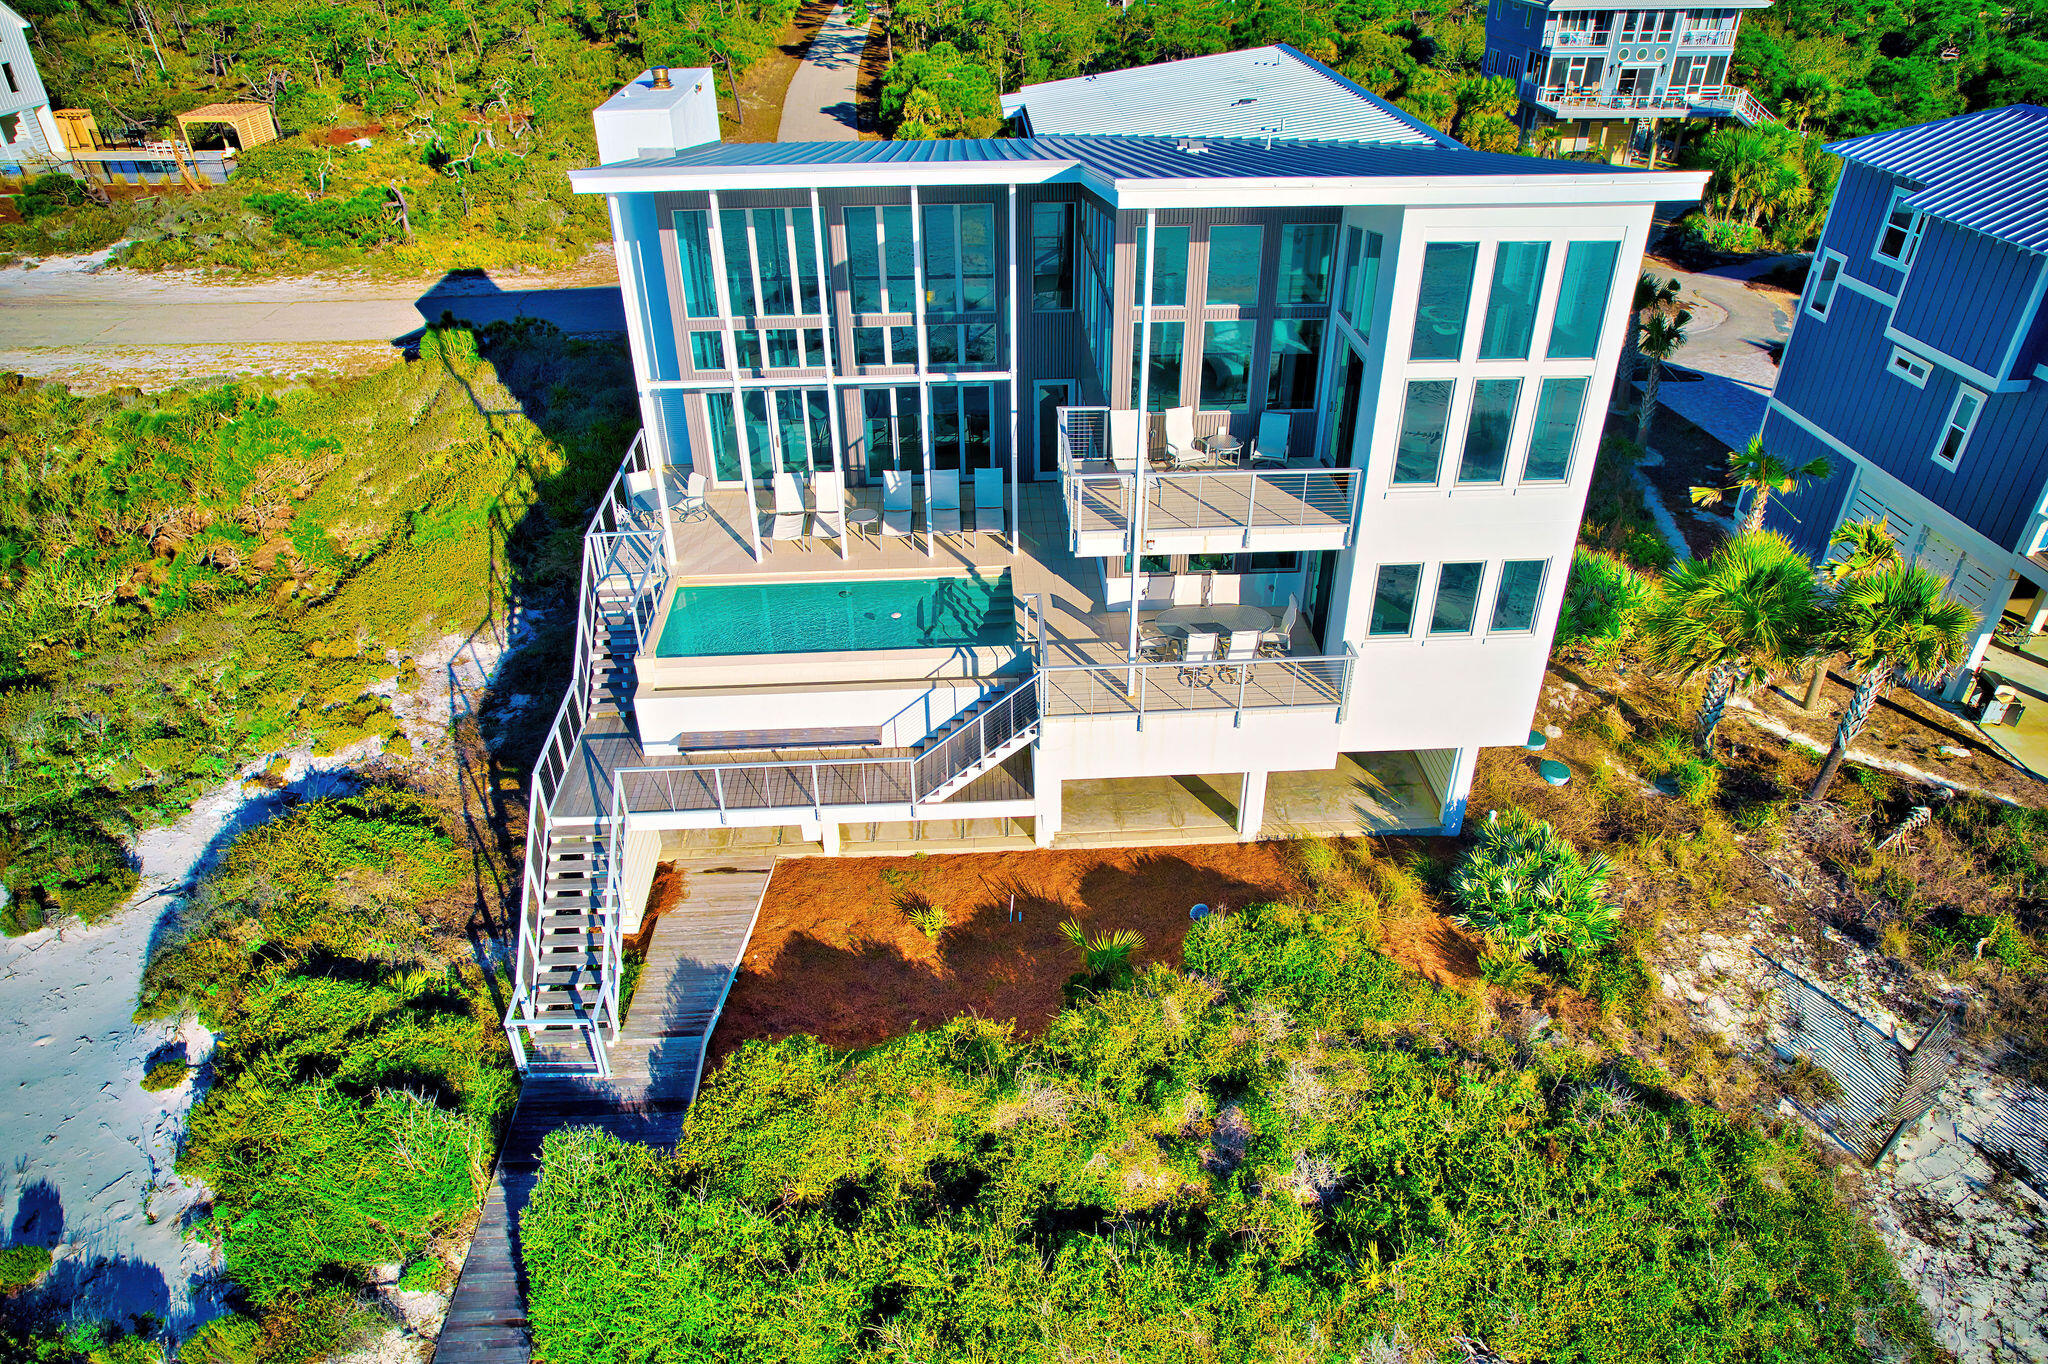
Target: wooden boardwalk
[(694, 951)]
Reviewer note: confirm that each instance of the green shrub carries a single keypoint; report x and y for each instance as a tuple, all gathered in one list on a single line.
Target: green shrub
[(47, 194), (924, 916), (291, 1331), (1531, 894), (165, 1075), (21, 1266), (429, 1275), (1603, 606)]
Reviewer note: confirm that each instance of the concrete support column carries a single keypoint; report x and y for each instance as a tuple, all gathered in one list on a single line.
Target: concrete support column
[(1457, 788), (1045, 819), (639, 853), (1251, 806), (828, 835)]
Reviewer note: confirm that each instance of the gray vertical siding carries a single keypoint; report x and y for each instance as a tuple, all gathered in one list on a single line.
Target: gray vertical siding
[(1967, 294)]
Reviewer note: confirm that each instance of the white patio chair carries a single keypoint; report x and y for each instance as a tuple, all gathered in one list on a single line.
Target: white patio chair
[(1200, 651), (1270, 447), (787, 520), (896, 499), (1180, 438), (1241, 649), (695, 503), (942, 502), (988, 501), (1276, 643), (640, 493), (1126, 440), (828, 505)]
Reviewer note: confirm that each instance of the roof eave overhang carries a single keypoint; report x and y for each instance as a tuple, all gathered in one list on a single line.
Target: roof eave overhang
[(658, 179)]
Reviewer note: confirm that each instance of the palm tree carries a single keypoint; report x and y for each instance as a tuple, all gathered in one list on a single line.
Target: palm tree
[(1762, 473), (1652, 299), (1747, 610), (1870, 547), (1663, 334), (1105, 958), (1892, 622)]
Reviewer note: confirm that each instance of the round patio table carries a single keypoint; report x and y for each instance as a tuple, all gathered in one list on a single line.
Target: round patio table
[(1182, 621)]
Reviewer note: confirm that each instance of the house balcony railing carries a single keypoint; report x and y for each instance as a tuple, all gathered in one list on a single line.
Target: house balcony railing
[(1579, 38), (1707, 37), (1144, 688), (1709, 101)]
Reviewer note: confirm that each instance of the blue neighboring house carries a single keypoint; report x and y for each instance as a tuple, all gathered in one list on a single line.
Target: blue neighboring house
[(1919, 362)]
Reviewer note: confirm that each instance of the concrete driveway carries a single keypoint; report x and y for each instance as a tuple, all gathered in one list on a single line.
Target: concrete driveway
[(1733, 342), (820, 105)]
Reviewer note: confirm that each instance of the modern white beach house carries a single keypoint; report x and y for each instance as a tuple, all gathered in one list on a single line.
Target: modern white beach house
[(916, 552)]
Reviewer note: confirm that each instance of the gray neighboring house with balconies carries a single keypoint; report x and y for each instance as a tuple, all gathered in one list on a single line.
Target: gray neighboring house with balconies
[(1602, 78)]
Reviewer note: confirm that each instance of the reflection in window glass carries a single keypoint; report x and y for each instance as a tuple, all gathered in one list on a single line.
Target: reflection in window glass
[(739, 262), (1511, 301), (707, 350), (942, 344), (1291, 366), (1457, 599), (1420, 452), (902, 345), (1052, 256), (1521, 587), (1170, 276), (1363, 291), (1226, 365), (1582, 299), (1442, 300), (782, 349), (749, 346), (725, 440), (1163, 383), (869, 346), (1234, 260), (863, 261), (1354, 245), (899, 259), (1485, 457), (980, 350), (1555, 430), (806, 259), (693, 245), (1393, 599), (1305, 251), (977, 257), (814, 348), (771, 255)]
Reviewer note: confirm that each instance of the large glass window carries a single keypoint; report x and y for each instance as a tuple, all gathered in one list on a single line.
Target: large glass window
[(1297, 345), (1485, 457), (1170, 276), (962, 426), (1511, 301), (772, 258), (1521, 588), (1305, 256), (1419, 455), (1443, 299), (885, 345), (693, 247), (1052, 256), (739, 262), (1555, 430), (1162, 385), (1582, 299), (1457, 599), (1236, 255), (707, 350), (881, 269), (1227, 365), (1393, 599), (1362, 286), (960, 258)]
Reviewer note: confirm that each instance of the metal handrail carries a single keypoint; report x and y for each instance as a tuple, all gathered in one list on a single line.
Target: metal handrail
[(1206, 499), (1143, 688)]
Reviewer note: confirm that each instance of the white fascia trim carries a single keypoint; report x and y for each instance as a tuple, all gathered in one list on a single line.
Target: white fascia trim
[(1948, 362), (1890, 489), (1845, 280), (2026, 323), (655, 179)]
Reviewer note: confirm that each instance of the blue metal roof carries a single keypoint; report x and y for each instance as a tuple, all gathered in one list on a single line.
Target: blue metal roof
[(1986, 171), (1128, 158), (1259, 92)]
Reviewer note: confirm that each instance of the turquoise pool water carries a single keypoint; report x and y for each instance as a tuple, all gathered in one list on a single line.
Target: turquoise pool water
[(808, 617)]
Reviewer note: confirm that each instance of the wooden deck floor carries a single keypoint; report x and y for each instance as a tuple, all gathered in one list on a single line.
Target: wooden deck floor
[(693, 953)]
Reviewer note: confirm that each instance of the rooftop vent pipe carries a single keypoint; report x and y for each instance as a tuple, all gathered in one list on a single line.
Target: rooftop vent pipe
[(661, 81)]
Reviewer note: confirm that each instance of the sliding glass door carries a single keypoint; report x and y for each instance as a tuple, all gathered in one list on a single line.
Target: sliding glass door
[(890, 424), (786, 428)]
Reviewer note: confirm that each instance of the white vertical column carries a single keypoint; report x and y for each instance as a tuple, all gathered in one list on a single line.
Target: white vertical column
[(1012, 519), (1251, 806), (832, 394), (1457, 789), (924, 368), (1137, 516), (732, 364), (633, 283)]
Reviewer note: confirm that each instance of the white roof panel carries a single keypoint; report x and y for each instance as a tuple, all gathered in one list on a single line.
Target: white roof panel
[(1261, 92)]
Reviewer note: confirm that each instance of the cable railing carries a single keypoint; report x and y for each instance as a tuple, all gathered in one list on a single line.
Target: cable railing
[(1151, 688)]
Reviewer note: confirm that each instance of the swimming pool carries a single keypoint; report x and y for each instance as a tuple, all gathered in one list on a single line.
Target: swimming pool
[(812, 617)]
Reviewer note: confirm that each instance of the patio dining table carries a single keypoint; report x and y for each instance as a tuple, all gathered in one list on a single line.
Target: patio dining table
[(1181, 621)]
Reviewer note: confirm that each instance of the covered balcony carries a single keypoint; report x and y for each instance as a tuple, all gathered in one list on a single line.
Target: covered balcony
[(1185, 493)]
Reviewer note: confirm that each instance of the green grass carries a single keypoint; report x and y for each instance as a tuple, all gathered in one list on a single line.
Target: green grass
[(193, 579), (1261, 1161)]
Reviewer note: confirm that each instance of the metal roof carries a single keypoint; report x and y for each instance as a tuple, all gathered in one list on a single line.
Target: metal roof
[(1257, 93), (1986, 171)]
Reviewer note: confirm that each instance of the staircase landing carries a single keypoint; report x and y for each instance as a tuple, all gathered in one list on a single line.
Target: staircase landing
[(693, 952)]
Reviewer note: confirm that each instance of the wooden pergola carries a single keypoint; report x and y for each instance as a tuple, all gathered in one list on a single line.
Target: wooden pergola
[(250, 120)]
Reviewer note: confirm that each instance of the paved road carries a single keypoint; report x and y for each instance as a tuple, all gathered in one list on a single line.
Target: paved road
[(1733, 341), (820, 104), (63, 305)]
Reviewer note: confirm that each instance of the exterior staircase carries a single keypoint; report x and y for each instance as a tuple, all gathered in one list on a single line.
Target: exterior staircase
[(975, 740)]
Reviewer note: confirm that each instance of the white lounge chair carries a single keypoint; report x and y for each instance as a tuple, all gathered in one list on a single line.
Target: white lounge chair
[(1126, 440), (695, 502), (787, 521), (1270, 447), (988, 501), (828, 506), (942, 502), (1180, 437), (1200, 651), (896, 498), (639, 488), (1274, 643)]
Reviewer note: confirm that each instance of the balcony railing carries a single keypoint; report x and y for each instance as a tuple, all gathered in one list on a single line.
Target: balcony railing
[(1204, 500), (1730, 100), (1707, 37), (1163, 688), (1581, 38)]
